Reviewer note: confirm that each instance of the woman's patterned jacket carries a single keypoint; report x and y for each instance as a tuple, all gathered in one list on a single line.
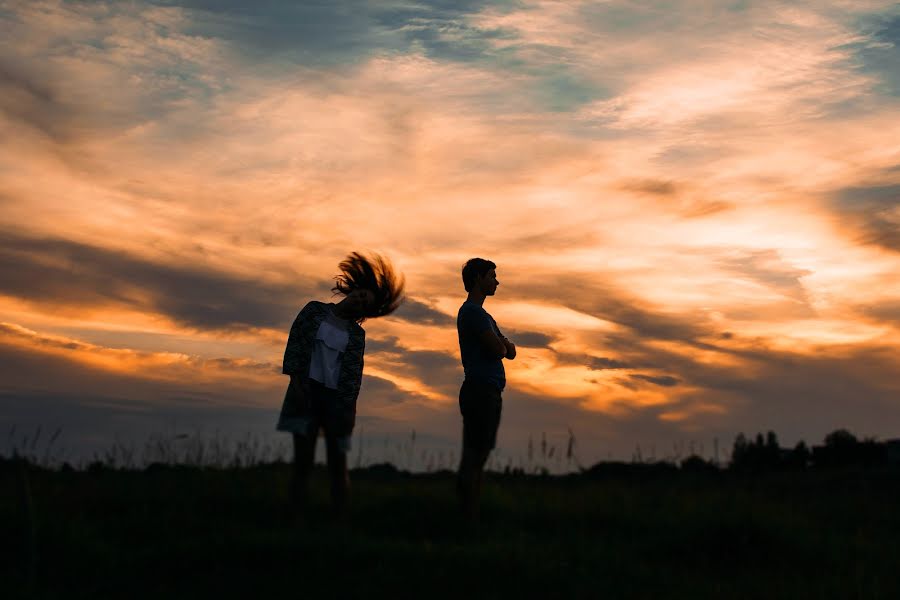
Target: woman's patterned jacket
[(298, 354)]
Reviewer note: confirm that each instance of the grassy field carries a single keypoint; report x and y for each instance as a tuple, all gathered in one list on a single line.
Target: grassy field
[(621, 532)]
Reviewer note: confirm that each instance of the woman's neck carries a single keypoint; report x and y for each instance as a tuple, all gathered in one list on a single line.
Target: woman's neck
[(339, 311)]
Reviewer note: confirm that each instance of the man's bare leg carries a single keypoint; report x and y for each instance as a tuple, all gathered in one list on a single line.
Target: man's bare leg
[(468, 484)]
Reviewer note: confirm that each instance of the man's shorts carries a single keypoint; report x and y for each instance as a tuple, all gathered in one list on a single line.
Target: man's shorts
[(480, 405), (318, 410)]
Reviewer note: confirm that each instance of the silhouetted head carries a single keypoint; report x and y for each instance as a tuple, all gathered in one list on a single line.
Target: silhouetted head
[(480, 275), (371, 285)]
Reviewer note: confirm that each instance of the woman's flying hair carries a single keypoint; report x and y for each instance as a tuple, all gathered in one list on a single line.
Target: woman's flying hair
[(376, 274)]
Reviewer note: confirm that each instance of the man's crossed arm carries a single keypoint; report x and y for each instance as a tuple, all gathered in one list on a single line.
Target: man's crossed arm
[(498, 345)]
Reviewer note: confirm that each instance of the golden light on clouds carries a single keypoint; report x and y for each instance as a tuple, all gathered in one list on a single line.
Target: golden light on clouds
[(694, 209)]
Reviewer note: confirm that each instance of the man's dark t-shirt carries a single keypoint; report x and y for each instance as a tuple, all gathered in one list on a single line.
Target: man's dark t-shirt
[(471, 321)]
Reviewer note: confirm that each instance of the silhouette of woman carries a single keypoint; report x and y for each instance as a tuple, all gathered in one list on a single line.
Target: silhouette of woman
[(324, 358)]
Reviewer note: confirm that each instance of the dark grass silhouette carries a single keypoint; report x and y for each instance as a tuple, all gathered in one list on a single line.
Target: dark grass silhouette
[(615, 530)]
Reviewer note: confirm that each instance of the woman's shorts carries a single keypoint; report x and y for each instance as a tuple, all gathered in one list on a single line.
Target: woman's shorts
[(318, 410)]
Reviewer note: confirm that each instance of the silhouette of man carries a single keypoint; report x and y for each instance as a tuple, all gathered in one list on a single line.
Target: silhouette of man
[(483, 348)]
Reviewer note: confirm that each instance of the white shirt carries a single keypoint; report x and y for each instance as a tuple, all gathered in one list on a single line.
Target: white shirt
[(331, 343)]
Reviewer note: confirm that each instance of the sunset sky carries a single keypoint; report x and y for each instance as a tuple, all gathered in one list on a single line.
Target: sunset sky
[(694, 208)]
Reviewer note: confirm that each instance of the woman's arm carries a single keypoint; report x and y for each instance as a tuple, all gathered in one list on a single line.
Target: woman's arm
[(297, 342)]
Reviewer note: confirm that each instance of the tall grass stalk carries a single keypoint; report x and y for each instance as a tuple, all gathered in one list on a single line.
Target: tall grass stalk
[(27, 501)]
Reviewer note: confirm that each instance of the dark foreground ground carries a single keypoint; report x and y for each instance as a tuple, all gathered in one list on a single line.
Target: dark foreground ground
[(622, 533)]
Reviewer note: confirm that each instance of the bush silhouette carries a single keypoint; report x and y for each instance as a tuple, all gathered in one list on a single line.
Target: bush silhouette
[(842, 449), (761, 454)]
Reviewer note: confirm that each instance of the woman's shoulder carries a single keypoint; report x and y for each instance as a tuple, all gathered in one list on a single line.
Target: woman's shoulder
[(311, 312), (314, 306)]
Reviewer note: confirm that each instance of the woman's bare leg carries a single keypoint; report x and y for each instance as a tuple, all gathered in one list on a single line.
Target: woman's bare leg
[(339, 476), (304, 454)]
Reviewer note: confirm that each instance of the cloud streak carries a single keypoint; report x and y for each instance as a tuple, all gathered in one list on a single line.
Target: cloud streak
[(69, 274)]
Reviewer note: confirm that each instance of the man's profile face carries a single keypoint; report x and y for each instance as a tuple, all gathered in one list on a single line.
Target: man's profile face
[(488, 283)]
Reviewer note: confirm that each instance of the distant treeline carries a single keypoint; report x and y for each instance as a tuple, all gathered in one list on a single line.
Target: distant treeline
[(840, 448), (762, 453)]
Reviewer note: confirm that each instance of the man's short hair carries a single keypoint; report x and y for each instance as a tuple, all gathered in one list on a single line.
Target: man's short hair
[(474, 268)]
